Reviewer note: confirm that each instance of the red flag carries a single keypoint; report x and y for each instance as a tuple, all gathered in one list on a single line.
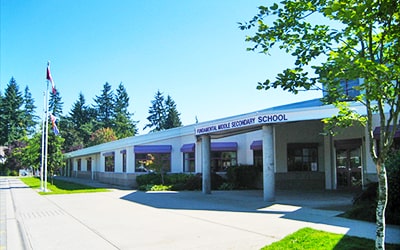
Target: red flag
[(49, 78)]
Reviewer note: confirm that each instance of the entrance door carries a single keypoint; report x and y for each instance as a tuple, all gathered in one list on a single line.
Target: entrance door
[(348, 167)]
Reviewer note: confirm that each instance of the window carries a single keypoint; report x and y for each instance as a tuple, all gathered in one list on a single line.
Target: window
[(89, 164), (153, 162), (302, 157), (124, 162), (221, 160), (109, 162), (189, 162), (257, 158), (79, 164)]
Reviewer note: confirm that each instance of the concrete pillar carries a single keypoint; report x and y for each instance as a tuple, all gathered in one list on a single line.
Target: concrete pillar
[(268, 163), (206, 162), (117, 161), (130, 160)]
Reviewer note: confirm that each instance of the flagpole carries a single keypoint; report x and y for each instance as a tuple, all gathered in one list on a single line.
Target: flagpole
[(46, 137), (43, 136)]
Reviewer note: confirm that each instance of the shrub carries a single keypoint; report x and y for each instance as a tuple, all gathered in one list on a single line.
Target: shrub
[(148, 179), (160, 188), (243, 176), (365, 203), (177, 181), (194, 182)]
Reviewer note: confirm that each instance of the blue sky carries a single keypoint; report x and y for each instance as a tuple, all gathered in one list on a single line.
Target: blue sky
[(190, 50)]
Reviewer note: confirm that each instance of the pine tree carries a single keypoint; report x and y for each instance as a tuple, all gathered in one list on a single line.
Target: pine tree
[(157, 113), (173, 119), (104, 107), (78, 125), (30, 119), (123, 124), (12, 126), (55, 104)]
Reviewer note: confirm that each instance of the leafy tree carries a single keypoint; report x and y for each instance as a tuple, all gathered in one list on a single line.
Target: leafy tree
[(55, 104), (173, 119), (30, 119), (104, 107), (359, 39), (55, 158), (102, 135), (30, 154), (13, 156), (157, 113), (12, 126), (123, 124)]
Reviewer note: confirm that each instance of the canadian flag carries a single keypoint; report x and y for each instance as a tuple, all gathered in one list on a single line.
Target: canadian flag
[(49, 78)]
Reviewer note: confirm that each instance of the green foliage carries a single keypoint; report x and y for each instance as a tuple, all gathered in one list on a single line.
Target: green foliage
[(102, 135), (12, 121), (104, 107), (351, 40), (123, 124), (308, 238), (163, 113), (243, 176), (148, 179), (172, 120), (176, 181), (61, 187), (364, 205), (160, 188), (55, 104)]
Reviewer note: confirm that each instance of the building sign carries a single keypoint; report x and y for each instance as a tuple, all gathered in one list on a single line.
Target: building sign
[(243, 122)]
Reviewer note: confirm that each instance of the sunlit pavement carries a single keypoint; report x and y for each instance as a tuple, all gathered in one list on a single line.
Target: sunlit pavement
[(126, 219)]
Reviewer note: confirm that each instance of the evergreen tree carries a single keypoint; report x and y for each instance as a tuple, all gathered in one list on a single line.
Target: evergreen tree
[(2, 121), (12, 125), (55, 104), (173, 120), (78, 125), (104, 107), (157, 113), (123, 124), (30, 119)]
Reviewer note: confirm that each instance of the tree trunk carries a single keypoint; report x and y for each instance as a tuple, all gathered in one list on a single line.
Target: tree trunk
[(381, 207)]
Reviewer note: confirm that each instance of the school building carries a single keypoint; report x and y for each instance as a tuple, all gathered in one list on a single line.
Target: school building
[(287, 141)]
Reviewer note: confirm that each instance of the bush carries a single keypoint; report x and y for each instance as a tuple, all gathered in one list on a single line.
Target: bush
[(365, 203), (243, 176), (177, 181), (160, 188), (148, 179)]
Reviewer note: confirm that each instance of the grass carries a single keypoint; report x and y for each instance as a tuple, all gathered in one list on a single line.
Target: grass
[(61, 187), (308, 238)]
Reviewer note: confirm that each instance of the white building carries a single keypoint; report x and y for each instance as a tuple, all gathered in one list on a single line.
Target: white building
[(288, 141)]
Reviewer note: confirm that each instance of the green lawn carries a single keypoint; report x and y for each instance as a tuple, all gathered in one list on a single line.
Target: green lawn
[(308, 238), (61, 187)]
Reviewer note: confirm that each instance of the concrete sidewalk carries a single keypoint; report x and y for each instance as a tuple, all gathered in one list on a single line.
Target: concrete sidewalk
[(126, 219)]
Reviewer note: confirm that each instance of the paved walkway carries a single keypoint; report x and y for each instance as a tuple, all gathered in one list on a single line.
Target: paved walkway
[(126, 219)]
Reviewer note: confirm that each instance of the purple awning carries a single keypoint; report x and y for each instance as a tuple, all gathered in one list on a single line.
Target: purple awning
[(377, 132), (155, 149), (224, 146), (256, 145), (108, 154), (188, 148)]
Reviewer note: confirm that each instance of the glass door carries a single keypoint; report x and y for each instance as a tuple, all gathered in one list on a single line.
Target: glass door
[(348, 168)]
